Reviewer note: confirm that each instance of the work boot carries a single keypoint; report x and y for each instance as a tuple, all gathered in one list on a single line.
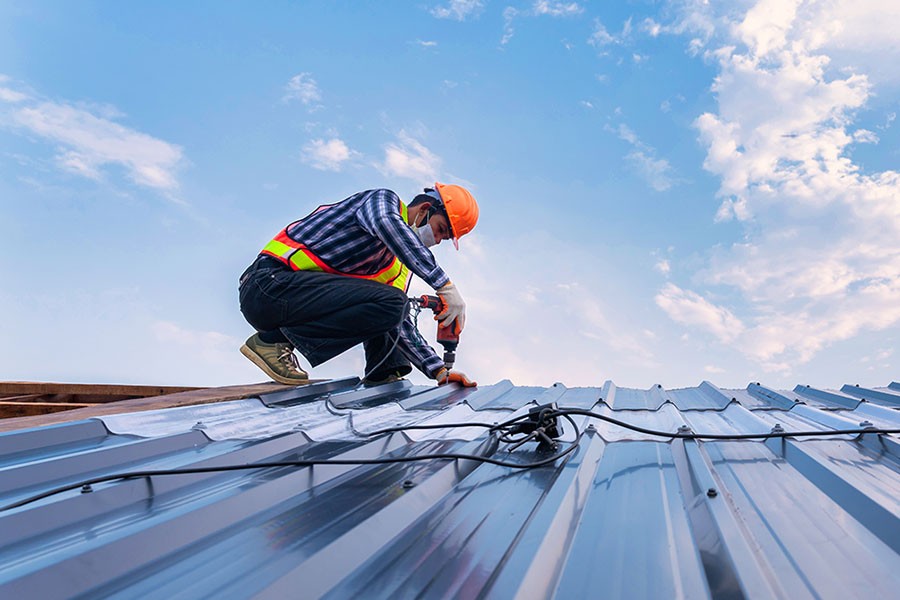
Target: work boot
[(277, 360)]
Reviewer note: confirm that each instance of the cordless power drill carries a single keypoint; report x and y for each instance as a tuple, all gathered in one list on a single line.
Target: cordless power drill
[(446, 332)]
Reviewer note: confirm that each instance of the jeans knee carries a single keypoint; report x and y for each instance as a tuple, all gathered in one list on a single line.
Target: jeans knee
[(394, 305)]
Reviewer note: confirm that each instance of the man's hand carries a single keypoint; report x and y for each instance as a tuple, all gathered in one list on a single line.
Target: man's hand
[(445, 376), (454, 307)]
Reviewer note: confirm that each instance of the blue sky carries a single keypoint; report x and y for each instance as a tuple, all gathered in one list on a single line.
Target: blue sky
[(670, 191)]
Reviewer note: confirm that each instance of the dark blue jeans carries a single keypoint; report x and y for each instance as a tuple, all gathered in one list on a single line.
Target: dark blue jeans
[(323, 315)]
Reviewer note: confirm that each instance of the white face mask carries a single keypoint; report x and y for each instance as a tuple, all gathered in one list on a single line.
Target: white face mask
[(426, 234)]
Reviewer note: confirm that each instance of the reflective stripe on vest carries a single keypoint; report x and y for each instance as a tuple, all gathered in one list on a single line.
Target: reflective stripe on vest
[(300, 258)]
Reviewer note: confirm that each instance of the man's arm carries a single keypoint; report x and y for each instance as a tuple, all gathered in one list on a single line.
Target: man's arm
[(380, 216), (417, 350)]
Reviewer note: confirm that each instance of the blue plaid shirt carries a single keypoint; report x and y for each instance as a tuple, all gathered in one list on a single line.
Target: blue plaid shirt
[(361, 235)]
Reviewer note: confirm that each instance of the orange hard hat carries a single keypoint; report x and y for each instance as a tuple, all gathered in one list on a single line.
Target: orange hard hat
[(461, 209)]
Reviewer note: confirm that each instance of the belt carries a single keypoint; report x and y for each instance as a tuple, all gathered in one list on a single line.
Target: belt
[(263, 261)]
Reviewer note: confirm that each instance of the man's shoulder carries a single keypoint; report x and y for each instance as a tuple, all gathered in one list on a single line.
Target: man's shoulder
[(381, 197), (381, 193)]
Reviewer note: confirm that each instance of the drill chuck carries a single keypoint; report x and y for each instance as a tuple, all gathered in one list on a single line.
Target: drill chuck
[(449, 358), (447, 335)]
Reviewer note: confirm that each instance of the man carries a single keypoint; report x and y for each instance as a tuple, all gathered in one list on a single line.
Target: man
[(338, 277)]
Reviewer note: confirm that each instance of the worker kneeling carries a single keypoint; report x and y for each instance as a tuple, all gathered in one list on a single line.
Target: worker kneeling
[(338, 277)]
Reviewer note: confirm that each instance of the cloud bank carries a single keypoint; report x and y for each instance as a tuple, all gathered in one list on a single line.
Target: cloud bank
[(88, 142), (820, 261)]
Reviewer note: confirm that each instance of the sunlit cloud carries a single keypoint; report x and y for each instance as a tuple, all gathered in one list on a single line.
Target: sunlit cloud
[(657, 172), (820, 260), (88, 144), (556, 9), (600, 36), (326, 155), (689, 308), (304, 88), (458, 10), (409, 158)]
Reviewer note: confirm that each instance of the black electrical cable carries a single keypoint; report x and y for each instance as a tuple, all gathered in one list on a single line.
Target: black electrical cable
[(491, 426), (504, 427), (720, 436), (403, 315), (309, 463)]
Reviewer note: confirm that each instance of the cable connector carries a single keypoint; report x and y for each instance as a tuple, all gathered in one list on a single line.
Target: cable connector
[(541, 425)]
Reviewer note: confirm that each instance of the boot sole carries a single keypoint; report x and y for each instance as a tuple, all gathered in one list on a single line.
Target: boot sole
[(257, 360)]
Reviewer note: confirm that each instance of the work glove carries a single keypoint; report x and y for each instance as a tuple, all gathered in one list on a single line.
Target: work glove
[(454, 307), (445, 376)]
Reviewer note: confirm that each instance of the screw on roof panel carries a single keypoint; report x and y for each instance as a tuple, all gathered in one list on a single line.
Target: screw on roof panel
[(777, 428), (198, 425), (866, 425), (684, 429), (712, 493)]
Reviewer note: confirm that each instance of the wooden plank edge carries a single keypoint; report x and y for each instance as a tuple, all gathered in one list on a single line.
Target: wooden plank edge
[(110, 389), (197, 396)]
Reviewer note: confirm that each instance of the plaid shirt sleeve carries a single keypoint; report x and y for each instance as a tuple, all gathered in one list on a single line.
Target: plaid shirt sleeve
[(380, 216), (416, 349)]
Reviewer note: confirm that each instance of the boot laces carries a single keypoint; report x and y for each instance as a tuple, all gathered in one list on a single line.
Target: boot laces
[(287, 357)]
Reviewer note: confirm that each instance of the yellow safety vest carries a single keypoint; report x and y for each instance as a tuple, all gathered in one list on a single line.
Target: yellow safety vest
[(300, 258)]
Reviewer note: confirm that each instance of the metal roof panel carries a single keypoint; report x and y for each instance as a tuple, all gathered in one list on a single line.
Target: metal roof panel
[(627, 514)]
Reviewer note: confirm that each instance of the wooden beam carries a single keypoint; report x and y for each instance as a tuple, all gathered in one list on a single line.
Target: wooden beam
[(76, 398), (197, 396), (28, 409), (37, 387), (25, 398)]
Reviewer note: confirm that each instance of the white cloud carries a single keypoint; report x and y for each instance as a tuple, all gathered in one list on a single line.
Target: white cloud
[(540, 8), (326, 155), (427, 43), (12, 96), (304, 88), (600, 36), (651, 27), (820, 259), (663, 266), (509, 15), (411, 159), (557, 9), (689, 308), (458, 10), (864, 136), (88, 143), (657, 172)]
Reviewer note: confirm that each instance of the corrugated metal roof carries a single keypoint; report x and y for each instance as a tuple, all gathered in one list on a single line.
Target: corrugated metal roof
[(627, 514)]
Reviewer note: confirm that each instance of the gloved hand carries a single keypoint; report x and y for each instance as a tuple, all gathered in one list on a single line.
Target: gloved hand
[(445, 376), (454, 307)]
